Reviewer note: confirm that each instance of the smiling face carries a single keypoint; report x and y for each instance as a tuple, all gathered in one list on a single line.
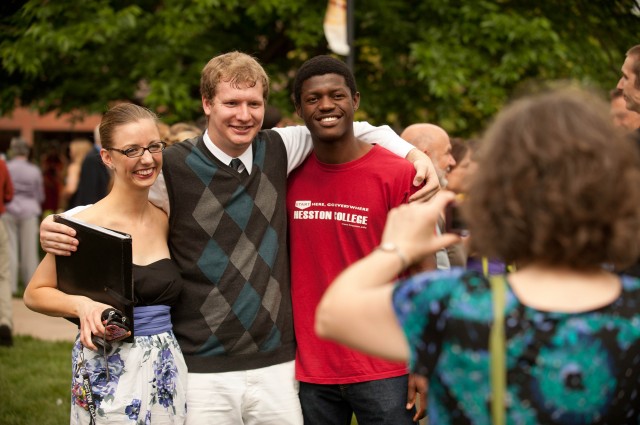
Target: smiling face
[(140, 171), (629, 84), (235, 116), (327, 107)]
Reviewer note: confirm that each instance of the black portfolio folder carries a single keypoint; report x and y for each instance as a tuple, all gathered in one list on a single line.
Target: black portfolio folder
[(101, 268)]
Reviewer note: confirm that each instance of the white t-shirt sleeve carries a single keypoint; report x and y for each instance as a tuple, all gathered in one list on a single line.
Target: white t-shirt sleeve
[(382, 135), (298, 144), (158, 194), (75, 210)]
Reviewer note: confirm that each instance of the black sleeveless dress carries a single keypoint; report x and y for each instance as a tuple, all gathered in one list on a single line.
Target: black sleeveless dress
[(147, 378)]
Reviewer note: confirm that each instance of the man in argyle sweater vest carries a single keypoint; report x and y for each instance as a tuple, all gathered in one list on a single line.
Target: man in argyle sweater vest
[(237, 306)]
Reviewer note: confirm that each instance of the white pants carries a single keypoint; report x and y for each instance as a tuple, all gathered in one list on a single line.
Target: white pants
[(6, 308), (266, 396), (23, 240)]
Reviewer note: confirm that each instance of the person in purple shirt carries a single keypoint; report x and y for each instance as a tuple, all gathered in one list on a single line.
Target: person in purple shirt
[(22, 219)]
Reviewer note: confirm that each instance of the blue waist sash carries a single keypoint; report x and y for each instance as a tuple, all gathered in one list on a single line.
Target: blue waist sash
[(151, 320)]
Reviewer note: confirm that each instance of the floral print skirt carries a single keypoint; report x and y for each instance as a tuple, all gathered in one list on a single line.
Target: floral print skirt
[(147, 382)]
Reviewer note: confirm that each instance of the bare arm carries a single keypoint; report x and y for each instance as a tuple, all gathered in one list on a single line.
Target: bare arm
[(357, 310), (42, 295)]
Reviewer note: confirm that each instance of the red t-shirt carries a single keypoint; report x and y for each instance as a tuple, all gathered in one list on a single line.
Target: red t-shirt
[(336, 216)]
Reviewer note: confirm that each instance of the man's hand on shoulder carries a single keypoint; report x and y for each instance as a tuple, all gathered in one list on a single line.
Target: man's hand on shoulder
[(56, 238), (424, 171)]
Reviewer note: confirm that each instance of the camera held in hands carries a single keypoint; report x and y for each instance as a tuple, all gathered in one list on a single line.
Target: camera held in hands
[(454, 222), (116, 328)]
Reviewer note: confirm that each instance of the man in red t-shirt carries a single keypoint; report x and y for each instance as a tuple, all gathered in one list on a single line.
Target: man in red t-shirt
[(337, 204)]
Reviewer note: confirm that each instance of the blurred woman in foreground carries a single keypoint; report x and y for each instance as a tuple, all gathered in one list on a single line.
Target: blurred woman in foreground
[(556, 191)]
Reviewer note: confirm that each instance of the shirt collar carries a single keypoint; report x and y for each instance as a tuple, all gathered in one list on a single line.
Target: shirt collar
[(246, 157)]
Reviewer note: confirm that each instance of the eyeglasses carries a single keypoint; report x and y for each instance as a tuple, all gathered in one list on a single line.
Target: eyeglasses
[(137, 151)]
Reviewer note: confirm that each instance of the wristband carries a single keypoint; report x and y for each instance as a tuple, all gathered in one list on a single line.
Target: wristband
[(393, 248)]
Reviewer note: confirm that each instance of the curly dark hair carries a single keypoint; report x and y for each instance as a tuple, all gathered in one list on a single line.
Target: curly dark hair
[(556, 184), (321, 65)]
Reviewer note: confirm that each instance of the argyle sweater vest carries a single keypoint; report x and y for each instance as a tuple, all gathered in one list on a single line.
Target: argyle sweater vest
[(228, 235)]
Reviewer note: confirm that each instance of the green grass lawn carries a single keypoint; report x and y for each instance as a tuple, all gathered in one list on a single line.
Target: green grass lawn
[(35, 379)]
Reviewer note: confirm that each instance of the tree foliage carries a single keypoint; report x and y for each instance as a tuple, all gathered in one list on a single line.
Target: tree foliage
[(450, 62)]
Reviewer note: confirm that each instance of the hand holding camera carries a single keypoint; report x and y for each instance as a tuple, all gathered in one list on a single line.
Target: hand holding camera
[(453, 219), (116, 328), (411, 229)]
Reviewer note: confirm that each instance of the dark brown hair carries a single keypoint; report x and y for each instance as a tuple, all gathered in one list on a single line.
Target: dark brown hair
[(459, 149), (556, 184)]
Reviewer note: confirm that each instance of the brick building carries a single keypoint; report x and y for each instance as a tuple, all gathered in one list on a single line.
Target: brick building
[(49, 136), (45, 131)]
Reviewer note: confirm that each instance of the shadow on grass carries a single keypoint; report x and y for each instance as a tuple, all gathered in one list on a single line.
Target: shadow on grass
[(35, 382)]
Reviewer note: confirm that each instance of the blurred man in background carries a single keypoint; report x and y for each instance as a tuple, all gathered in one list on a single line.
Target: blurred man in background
[(621, 116)]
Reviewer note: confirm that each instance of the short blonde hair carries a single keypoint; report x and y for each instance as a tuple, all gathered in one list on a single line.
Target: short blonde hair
[(239, 69)]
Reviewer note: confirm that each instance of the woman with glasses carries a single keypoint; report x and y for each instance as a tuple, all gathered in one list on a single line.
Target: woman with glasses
[(143, 381)]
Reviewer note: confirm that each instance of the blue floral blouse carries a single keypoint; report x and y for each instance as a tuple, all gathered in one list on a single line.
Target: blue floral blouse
[(581, 368)]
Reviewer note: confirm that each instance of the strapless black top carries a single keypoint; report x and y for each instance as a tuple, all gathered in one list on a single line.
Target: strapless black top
[(156, 283)]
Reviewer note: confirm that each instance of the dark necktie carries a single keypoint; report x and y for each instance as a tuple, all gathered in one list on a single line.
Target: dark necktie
[(235, 164)]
